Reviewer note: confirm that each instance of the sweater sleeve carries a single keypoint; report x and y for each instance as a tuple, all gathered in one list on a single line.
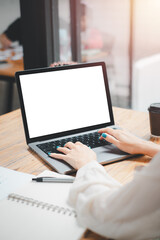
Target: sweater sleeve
[(112, 210)]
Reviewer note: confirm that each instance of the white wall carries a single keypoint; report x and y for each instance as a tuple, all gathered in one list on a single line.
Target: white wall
[(146, 28)]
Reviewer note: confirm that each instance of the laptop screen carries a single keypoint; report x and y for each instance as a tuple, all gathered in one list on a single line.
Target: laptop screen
[(65, 100)]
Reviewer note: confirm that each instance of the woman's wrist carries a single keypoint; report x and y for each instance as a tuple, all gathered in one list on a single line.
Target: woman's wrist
[(149, 148), (83, 163)]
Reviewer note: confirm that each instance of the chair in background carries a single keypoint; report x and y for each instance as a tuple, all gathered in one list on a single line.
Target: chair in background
[(146, 82)]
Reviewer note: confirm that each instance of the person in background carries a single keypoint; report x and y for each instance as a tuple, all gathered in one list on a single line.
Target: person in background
[(103, 205), (11, 34)]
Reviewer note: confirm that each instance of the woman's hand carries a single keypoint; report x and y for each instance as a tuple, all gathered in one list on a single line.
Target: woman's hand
[(76, 154), (129, 143)]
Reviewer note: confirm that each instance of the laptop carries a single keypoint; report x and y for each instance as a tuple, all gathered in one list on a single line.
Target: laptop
[(67, 103)]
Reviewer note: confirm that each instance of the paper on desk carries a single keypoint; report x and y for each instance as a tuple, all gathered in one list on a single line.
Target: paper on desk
[(48, 173), (53, 193), (11, 180)]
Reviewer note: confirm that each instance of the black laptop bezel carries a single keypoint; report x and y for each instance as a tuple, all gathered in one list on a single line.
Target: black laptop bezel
[(70, 132)]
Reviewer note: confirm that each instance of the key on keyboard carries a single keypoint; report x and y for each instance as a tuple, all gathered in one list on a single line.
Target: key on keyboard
[(91, 140)]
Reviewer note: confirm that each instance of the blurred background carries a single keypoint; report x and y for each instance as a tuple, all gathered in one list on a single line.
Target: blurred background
[(123, 33)]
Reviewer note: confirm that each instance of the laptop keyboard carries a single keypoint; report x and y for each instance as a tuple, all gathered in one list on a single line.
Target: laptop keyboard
[(91, 140)]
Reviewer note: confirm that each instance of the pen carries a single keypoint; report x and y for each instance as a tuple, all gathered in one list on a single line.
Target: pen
[(53, 179)]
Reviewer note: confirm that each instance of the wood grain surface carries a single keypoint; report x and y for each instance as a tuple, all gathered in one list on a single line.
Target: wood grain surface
[(12, 67)]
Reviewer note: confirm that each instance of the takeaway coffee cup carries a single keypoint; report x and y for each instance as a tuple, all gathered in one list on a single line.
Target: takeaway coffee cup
[(154, 115)]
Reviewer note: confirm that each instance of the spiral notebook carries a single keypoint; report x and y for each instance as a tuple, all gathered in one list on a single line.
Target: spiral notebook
[(39, 211)]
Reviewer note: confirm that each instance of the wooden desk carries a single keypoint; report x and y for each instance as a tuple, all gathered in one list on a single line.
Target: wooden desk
[(13, 66), (14, 153)]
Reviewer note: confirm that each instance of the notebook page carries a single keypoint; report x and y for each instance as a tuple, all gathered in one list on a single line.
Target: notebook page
[(26, 221), (53, 193)]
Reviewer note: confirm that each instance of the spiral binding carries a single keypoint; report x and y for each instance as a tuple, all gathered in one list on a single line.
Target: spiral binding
[(42, 205)]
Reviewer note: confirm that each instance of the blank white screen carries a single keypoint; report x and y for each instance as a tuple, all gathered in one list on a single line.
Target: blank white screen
[(64, 100)]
